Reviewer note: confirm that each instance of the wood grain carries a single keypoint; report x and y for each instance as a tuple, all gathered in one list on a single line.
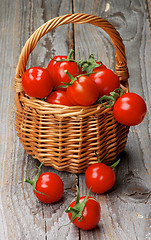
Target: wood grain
[(125, 210)]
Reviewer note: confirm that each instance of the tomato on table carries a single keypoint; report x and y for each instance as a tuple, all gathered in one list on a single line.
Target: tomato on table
[(51, 185), (48, 187), (59, 97), (99, 177), (87, 214), (130, 109), (37, 82)]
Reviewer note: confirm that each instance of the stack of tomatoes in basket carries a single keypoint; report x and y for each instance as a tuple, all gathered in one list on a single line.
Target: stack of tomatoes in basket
[(68, 82), (84, 83)]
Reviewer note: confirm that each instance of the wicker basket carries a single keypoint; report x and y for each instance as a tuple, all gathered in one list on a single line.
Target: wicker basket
[(66, 138)]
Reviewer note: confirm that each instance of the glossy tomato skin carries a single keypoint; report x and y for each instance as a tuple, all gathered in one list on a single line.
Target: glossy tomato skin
[(57, 71), (59, 97), (54, 61), (91, 214), (37, 82), (99, 177), (50, 184), (98, 69), (83, 91), (130, 109), (106, 80), (51, 65)]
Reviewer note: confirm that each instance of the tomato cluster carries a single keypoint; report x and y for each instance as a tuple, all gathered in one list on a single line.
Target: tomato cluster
[(85, 211), (68, 82)]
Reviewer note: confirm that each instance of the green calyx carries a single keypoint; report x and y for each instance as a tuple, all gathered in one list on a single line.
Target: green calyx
[(33, 182), (86, 65), (115, 164), (78, 207), (73, 79), (77, 210), (89, 65), (111, 99)]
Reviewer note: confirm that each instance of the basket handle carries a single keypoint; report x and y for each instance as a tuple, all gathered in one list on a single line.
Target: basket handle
[(79, 18)]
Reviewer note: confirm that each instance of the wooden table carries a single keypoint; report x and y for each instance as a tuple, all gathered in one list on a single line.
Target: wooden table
[(125, 210)]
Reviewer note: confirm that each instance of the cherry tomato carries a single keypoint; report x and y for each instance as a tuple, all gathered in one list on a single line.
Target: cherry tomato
[(57, 70), (37, 82), (90, 214), (58, 97), (99, 177), (106, 80), (83, 91), (51, 185), (54, 61), (51, 65), (130, 109), (48, 187)]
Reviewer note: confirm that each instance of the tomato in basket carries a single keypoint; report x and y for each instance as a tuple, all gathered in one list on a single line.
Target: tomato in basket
[(82, 90), (91, 65), (100, 67), (59, 97), (37, 82), (106, 81), (58, 65)]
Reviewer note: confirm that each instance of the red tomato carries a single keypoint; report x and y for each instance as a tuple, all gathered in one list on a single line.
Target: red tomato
[(129, 109), (106, 80), (51, 65), (37, 82), (51, 185), (99, 177), (83, 91), (58, 97), (53, 62), (98, 69), (91, 214), (57, 70)]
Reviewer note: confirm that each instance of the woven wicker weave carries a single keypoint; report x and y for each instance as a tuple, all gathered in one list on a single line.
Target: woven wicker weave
[(67, 137)]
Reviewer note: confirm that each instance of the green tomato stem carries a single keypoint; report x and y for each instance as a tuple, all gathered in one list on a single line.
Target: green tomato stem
[(71, 77), (99, 161), (29, 181), (115, 164), (70, 54), (33, 183), (111, 99)]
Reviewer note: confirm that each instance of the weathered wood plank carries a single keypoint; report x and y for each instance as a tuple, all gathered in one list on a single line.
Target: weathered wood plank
[(125, 209), (21, 214)]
